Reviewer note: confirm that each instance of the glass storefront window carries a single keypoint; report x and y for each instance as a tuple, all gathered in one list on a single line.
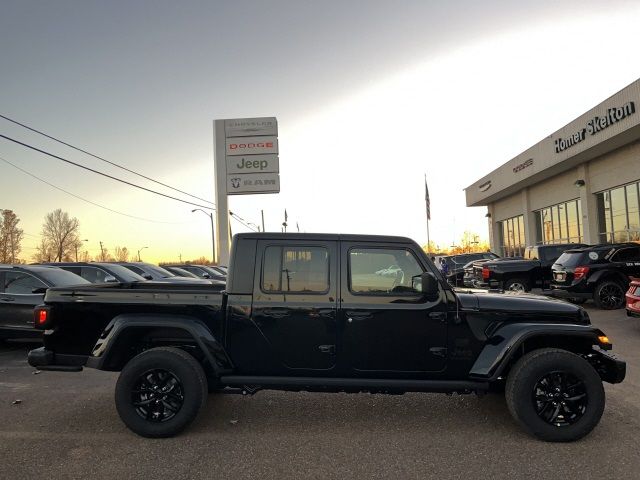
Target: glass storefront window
[(560, 223), (513, 236), (618, 214)]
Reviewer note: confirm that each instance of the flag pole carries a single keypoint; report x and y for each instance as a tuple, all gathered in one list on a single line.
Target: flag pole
[(427, 202)]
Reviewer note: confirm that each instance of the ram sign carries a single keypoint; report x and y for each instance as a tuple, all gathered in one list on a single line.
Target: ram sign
[(253, 183)]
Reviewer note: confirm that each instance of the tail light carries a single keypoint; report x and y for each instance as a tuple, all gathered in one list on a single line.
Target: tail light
[(580, 272), (42, 317), (485, 273)]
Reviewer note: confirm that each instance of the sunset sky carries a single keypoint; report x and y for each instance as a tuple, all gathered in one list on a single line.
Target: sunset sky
[(369, 96)]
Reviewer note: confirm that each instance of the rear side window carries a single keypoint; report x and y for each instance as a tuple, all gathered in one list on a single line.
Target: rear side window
[(21, 283), (93, 274), (627, 255), (295, 269)]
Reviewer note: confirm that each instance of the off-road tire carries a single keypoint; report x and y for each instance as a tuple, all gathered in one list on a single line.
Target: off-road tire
[(512, 283), (526, 374), (191, 379), (599, 295)]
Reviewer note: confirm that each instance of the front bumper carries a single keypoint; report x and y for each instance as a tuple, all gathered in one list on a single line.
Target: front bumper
[(44, 359), (610, 368)]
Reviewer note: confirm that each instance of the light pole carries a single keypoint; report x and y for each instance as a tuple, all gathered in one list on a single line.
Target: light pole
[(139, 253), (213, 234), (85, 240)]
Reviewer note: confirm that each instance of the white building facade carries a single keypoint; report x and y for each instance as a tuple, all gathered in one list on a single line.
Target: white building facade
[(580, 184)]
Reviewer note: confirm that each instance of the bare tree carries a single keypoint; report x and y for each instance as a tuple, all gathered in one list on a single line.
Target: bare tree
[(10, 237), (121, 254), (44, 253), (84, 256), (61, 233)]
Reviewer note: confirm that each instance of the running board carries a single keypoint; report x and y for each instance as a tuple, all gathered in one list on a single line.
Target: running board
[(350, 383)]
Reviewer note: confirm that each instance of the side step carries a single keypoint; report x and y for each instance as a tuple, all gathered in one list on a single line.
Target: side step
[(358, 383)]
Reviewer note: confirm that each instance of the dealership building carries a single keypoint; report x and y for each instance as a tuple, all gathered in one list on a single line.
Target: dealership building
[(580, 184)]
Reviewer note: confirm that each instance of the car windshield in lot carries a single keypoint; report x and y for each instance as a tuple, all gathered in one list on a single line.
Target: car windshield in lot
[(59, 277), (161, 272), (124, 273)]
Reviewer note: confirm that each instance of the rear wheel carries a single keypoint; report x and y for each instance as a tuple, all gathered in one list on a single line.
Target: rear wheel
[(517, 285), (609, 295), (555, 395), (160, 392)]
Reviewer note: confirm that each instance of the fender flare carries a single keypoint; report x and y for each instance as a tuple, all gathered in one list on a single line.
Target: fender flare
[(504, 344), (211, 348)]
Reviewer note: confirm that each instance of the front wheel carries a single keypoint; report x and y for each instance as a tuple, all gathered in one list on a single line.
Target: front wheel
[(555, 395), (160, 392)]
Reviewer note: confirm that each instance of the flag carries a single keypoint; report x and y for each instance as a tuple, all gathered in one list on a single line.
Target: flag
[(427, 201)]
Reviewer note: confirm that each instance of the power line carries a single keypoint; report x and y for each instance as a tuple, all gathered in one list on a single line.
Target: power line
[(102, 173), (239, 219), (103, 159), (82, 198)]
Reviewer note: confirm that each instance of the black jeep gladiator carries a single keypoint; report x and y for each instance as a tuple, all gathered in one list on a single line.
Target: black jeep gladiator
[(307, 312), (521, 274)]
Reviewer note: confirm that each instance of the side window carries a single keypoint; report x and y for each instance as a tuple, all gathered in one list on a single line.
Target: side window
[(295, 269), (21, 283), (93, 274), (135, 269), (627, 255), (382, 271)]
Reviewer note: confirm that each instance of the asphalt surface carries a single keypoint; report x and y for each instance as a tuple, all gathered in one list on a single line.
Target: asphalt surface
[(66, 426)]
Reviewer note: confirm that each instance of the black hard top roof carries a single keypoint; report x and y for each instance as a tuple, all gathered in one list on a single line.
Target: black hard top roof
[(324, 236)]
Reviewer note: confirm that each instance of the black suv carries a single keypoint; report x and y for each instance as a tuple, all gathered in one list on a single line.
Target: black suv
[(600, 272)]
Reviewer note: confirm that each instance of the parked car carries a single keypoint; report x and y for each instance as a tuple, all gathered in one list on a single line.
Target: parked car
[(181, 272), (22, 287), (633, 298), (521, 275), (600, 272), (154, 272), (201, 271), (307, 312), (100, 272), (453, 265), (473, 271), (390, 271)]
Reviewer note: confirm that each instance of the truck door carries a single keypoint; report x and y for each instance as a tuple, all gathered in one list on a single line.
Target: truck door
[(389, 326), (295, 301)]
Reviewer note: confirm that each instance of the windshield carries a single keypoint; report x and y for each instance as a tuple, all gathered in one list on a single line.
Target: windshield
[(58, 277), (123, 274), (159, 271), (182, 272)]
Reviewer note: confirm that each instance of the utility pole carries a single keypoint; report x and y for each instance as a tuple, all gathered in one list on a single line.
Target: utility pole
[(102, 259)]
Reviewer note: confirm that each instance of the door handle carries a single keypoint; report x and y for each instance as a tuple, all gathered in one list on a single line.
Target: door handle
[(330, 349), (442, 316)]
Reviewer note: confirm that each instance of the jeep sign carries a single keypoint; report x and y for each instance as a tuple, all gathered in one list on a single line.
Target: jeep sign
[(253, 164)]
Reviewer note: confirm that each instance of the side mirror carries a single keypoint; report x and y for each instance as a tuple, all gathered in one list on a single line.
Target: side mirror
[(429, 285), (206, 275), (146, 276), (110, 279)]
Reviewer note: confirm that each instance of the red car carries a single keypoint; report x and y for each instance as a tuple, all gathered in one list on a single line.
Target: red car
[(633, 298)]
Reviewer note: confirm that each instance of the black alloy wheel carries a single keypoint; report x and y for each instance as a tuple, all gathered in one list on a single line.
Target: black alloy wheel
[(157, 395), (560, 398), (609, 295), (555, 395), (160, 392)]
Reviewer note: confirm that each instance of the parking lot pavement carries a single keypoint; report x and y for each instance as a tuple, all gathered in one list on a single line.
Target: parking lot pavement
[(66, 426)]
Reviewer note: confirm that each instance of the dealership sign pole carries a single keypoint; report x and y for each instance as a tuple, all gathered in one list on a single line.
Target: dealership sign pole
[(246, 162)]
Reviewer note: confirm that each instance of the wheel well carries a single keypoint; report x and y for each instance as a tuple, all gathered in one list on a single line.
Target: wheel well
[(613, 277), (577, 345), (135, 340)]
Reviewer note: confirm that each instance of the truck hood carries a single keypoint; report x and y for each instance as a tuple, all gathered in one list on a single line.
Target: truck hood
[(521, 307)]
